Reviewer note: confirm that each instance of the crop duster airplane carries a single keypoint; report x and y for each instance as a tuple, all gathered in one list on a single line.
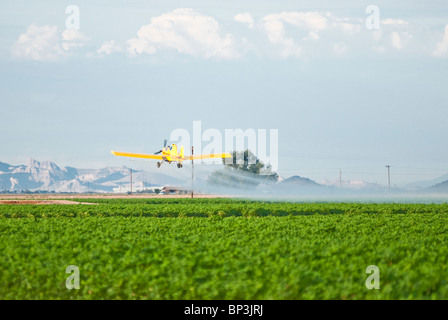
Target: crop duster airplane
[(171, 154)]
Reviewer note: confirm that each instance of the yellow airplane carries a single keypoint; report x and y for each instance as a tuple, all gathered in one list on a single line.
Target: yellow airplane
[(171, 154)]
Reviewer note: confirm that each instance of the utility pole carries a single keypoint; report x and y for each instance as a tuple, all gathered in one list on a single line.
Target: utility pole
[(192, 171), (131, 179), (340, 178), (388, 175)]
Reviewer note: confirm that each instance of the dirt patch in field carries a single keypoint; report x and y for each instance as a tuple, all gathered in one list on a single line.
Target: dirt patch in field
[(52, 197), (15, 202), (37, 199)]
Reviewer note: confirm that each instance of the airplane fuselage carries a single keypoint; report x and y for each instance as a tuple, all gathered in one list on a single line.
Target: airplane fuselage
[(170, 154)]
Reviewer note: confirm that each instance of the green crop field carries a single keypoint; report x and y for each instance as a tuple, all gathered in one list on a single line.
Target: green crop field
[(223, 249)]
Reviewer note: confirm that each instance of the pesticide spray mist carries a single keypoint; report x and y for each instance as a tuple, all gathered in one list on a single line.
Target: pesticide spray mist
[(227, 181)]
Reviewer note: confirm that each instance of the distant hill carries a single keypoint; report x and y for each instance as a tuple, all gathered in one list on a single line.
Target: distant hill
[(439, 187), (48, 176), (354, 185), (4, 167), (298, 181), (427, 183)]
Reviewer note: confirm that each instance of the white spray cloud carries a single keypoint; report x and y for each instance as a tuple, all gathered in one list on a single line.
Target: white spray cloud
[(109, 47)]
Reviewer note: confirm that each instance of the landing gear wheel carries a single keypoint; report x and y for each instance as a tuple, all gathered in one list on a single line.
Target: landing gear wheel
[(179, 165), (158, 164)]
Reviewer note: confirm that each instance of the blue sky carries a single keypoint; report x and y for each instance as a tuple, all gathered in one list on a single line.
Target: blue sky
[(342, 96)]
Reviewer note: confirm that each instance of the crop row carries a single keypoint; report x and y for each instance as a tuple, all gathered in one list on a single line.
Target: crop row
[(294, 257), (209, 209)]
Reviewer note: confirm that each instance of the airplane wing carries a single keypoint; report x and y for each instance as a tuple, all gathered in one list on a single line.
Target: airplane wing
[(137, 155), (209, 156)]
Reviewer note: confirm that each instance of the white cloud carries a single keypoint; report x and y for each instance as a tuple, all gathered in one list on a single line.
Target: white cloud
[(350, 28), (442, 46), (72, 38), (396, 40), (313, 35), (286, 31), (245, 18), (276, 34), (46, 43), (186, 32), (399, 39), (394, 22), (39, 43), (109, 47), (274, 27), (308, 20)]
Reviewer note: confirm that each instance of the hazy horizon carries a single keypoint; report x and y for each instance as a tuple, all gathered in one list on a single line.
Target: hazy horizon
[(343, 97)]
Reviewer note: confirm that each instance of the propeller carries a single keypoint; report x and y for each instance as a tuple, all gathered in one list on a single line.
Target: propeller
[(164, 145)]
